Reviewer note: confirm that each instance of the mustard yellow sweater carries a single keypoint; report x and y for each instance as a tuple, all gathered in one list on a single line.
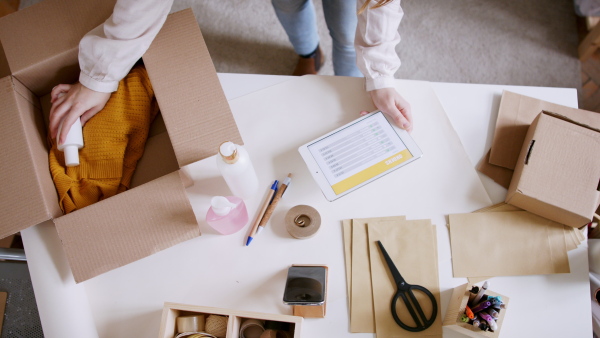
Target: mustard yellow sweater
[(114, 141)]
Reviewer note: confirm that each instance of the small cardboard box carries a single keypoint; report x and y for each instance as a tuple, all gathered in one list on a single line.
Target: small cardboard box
[(39, 50), (558, 171), (456, 308), (173, 310)]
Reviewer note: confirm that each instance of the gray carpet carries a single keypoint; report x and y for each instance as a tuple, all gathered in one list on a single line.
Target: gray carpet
[(509, 42)]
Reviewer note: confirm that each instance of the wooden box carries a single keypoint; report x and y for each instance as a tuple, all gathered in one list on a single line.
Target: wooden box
[(456, 308), (173, 310)]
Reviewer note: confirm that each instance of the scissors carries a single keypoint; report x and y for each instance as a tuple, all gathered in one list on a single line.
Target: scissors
[(405, 291)]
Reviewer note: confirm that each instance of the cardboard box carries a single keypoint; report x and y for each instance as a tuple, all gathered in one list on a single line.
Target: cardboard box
[(173, 310), (40, 46), (515, 114), (456, 308), (558, 171)]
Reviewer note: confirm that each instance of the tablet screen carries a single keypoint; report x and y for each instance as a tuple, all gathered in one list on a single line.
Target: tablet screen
[(359, 152)]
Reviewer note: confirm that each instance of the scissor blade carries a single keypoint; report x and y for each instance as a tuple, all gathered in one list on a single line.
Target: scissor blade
[(395, 273)]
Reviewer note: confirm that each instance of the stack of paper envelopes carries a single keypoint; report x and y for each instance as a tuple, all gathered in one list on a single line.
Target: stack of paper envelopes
[(412, 245)]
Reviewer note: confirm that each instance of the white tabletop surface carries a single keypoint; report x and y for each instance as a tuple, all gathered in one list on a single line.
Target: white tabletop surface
[(545, 306)]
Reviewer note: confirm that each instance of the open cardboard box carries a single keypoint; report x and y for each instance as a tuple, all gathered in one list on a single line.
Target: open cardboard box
[(235, 318), (557, 175), (39, 50)]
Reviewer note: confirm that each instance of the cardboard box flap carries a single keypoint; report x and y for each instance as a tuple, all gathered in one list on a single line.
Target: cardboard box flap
[(192, 102), (127, 227), (515, 114), (28, 197), (38, 34), (565, 118)]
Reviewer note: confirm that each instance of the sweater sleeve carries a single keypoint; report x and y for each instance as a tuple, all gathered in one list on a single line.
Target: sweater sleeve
[(376, 38), (107, 53)]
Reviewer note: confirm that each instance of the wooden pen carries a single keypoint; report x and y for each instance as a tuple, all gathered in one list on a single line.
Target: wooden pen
[(286, 182)]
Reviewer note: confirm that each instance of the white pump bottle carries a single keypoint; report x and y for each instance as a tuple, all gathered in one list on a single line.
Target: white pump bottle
[(73, 142), (234, 164)]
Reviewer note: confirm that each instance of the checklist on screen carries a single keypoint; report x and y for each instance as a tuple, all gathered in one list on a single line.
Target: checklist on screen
[(359, 152)]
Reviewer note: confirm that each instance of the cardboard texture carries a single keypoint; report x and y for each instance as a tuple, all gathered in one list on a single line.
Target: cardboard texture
[(43, 52), (362, 318), (458, 302), (500, 175), (515, 114), (558, 171), (412, 245), (504, 238), (155, 214)]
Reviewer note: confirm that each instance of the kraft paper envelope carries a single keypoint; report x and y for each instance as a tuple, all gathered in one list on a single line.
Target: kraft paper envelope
[(506, 244), (361, 297), (347, 233), (412, 245)]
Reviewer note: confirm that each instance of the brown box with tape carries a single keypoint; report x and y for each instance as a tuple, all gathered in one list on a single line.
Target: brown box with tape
[(457, 306), (40, 50), (227, 323)]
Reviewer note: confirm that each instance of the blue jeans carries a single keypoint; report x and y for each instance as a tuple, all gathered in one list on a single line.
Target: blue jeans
[(298, 18)]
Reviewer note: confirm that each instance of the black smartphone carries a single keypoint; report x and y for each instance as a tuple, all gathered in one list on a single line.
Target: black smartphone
[(305, 285)]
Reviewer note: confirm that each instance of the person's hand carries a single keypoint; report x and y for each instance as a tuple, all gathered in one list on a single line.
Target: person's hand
[(391, 103), (70, 102)]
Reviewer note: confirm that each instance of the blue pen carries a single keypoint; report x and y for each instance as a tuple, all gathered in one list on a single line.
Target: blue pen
[(262, 210)]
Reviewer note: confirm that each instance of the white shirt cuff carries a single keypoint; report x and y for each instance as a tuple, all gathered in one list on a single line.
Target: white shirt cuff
[(380, 82), (99, 86)]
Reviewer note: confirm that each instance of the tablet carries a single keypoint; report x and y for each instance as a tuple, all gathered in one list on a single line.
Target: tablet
[(358, 153)]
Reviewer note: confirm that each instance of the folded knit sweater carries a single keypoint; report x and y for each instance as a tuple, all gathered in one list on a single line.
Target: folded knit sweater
[(114, 141)]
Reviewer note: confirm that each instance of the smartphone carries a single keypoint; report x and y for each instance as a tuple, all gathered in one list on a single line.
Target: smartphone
[(305, 285)]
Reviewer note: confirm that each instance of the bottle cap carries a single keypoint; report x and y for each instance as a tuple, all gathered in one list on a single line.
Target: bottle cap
[(221, 205), (71, 155), (228, 151)]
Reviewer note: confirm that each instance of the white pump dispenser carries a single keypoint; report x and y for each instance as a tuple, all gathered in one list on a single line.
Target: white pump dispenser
[(73, 142), (237, 170), (221, 205)]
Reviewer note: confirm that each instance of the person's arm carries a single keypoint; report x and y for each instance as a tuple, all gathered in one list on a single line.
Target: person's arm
[(106, 55), (376, 39)]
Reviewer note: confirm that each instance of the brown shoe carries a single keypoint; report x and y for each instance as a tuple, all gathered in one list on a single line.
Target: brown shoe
[(310, 65)]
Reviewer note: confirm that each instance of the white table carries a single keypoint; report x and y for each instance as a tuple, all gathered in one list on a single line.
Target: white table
[(564, 304)]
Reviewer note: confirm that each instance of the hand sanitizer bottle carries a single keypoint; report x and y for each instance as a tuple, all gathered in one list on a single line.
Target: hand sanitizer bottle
[(227, 214), (237, 170)]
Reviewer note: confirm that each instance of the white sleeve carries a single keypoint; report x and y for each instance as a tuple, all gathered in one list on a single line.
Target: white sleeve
[(107, 53), (376, 38)]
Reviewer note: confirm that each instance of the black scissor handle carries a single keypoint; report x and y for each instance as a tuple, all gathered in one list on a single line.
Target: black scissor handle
[(421, 321)]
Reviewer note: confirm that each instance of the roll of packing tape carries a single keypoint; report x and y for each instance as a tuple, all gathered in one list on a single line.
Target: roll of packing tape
[(190, 323), (275, 334), (275, 325), (216, 325), (251, 328), (302, 221)]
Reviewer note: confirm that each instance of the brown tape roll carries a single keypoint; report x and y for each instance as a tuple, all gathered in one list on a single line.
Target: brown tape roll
[(302, 221), (190, 323), (275, 334)]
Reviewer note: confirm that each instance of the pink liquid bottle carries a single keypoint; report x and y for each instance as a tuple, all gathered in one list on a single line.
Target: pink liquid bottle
[(227, 215)]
